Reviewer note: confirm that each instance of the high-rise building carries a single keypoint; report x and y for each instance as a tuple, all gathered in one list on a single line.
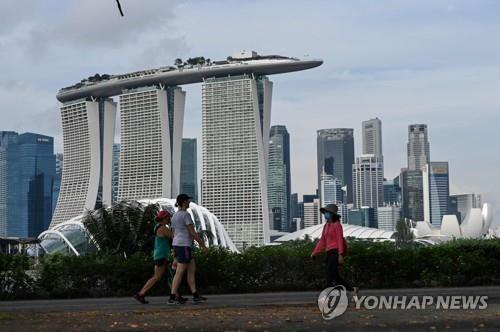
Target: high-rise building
[(294, 206), (418, 147), (466, 202), (412, 193), (364, 216), (311, 213), (57, 180), (368, 181), (278, 178), (189, 168), (436, 191), (88, 135), (335, 148), (27, 171), (330, 190), (236, 114), (411, 178), (3, 190), (115, 173), (388, 216), (152, 114), (372, 137), (151, 141), (331, 193), (392, 192)]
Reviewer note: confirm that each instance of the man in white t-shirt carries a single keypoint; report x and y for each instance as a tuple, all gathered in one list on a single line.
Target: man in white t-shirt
[(183, 234)]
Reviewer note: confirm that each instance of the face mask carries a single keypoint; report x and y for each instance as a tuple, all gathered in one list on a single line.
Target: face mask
[(327, 215)]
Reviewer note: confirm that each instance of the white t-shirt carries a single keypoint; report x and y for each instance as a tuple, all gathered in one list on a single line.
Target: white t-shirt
[(180, 221)]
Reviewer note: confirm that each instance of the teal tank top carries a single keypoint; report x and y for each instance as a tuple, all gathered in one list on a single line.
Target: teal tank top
[(162, 245)]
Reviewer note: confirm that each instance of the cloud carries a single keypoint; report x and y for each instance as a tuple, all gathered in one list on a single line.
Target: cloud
[(403, 61)]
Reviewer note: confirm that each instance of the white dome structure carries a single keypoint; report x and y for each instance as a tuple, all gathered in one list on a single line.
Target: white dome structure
[(71, 237), (359, 232), (476, 225)]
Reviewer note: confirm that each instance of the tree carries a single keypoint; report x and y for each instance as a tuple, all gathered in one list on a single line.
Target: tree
[(178, 62), (124, 228), (403, 234)]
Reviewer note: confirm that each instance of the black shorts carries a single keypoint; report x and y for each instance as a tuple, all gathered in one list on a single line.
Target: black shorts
[(161, 262), (183, 254)]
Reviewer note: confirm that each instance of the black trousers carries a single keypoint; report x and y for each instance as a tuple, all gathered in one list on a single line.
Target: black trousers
[(332, 270)]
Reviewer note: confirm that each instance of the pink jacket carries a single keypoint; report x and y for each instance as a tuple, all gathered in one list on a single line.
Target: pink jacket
[(332, 237)]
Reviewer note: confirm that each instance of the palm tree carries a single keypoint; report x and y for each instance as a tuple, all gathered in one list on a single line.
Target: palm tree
[(124, 228)]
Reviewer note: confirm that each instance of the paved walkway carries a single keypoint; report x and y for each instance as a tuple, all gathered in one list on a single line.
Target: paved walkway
[(263, 311)]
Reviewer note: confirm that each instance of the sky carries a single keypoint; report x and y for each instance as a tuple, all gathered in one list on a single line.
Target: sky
[(433, 62)]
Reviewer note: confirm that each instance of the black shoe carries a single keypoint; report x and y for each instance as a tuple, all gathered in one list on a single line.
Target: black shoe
[(176, 300), (140, 298), (198, 299)]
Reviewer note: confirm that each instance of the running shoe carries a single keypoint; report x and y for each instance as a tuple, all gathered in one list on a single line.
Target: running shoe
[(177, 300), (198, 299), (140, 298)]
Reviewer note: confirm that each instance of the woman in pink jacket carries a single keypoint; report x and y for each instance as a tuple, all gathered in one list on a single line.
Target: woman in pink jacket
[(332, 241)]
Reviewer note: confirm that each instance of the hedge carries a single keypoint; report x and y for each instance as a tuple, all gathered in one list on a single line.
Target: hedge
[(286, 267)]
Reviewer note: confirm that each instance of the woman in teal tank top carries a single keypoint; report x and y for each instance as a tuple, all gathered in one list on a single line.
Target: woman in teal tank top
[(161, 253)]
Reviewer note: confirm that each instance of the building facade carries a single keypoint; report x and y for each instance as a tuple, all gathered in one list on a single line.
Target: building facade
[(189, 168), (278, 178), (235, 129), (436, 191), (388, 216), (335, 152), (151, 141), (115, 173)]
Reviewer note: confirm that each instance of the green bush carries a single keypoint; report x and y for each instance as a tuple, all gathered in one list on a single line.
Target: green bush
[(286, 267), (15, 280)]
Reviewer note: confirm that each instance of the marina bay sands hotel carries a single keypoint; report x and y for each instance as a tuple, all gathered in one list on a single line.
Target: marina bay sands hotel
[(236, 110)]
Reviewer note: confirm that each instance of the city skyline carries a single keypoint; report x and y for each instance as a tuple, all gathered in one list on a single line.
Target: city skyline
[(365, 73)]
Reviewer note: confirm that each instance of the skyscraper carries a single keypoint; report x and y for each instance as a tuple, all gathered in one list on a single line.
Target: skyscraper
[(57, 180), (392, 192), (3, 190), (278, 178), (364, 216), (151, 141), (189, 168), (368, 181), (388, 216), (88, 135), (311, 213), (436, 190), (115, 173), (412, 193), (411, 177), (331, 190), (27, 171), (335, 149), (235, 128), (372, 137), (331, 193), (418, 147)]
